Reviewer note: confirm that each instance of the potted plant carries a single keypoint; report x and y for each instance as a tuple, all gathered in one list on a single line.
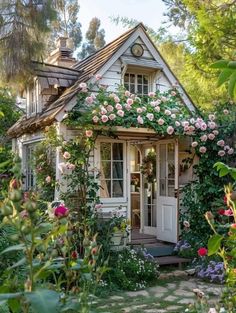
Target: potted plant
[(119, 231)]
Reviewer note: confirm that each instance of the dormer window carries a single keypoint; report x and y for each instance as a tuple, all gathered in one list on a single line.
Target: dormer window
[(137, 83)]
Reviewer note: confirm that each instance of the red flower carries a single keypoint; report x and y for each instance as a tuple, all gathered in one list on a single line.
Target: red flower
[(74, 255), (61, 211), (202, 252), (221, 211)]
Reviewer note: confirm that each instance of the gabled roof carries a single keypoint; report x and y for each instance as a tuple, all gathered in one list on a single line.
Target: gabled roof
[(85, 70)]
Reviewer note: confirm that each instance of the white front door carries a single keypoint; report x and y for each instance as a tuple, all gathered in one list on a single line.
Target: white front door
[(167, 202)]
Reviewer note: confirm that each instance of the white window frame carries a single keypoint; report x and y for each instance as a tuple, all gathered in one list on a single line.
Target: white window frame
[(98, 165), (136, 73), (28, 170)]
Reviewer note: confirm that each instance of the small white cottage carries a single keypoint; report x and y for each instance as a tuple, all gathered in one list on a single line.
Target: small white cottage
[(134, 61)]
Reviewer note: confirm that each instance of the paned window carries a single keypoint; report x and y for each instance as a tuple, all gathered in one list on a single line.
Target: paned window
[(137, 83), (29, 171), (112, 170)]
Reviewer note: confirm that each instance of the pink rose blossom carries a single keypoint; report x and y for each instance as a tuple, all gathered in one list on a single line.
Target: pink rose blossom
[(230, 151), (98, 77), (61, 211), (173, 116), (197, 125), (151, 94), (226, 147), (164, 99), (203, 126), (153, 104), (203, 138), (139, 110), (194, 144), (89, 100), (185, 123), (66, 155), (95, 119), (212, 125), (120, 113), (221, 153), (150, 116), (215, 132), (118, 106), (140, 119), (130, 101), (48, 179), (103, 111), (211, 136), (226, 112), (167, 112), (220, 143), (173, 93), (211, 117), (202, 149), (70, 166), (116, 99), (104, 118), (98, 206), (186, 128), (170, 130), (177, 124), (157, 109), (128, 107), (160, 121), (82, 85), (89, 133), (112, 117), (127, 93), (110, 108)]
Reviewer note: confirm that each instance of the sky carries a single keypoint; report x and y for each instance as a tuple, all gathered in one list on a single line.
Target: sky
[(150, 12)]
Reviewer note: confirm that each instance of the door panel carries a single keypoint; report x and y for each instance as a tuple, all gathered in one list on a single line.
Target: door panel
[(167, 203)]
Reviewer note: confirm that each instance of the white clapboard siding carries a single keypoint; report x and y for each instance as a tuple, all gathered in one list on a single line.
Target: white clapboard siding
[(112, 77), (162, 82)]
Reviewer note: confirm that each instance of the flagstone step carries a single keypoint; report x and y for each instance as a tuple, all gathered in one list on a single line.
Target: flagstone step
[(172, 260)]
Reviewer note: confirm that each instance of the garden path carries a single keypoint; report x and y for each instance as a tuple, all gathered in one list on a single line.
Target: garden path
[(168, 296)]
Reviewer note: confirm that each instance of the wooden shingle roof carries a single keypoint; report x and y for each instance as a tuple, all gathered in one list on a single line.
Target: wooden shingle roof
[(85, 70)]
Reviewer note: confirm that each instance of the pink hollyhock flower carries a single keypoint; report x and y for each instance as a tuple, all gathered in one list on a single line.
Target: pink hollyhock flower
[(89, 133), (130, 101), (230, 151), (120, 113), (202, 149), (150, 116), (89, 100), (151, 94), (48, 179), (103, 111), (95, 119), (220, 143), (110, 108), (215, 132), (98, 77), (170, 130), (211, 117), (127, 93), (228, 212), (82, 85), (173, 93), (221, 153), (226, 112), (212, 125), (157, 109), (128, 107), (211, 136), (116, 99), (140, 119), (112, 117), (167, 112), (173, 116), (202, 252), (139, 110), (104, 118), (194, 144), (160, 121), (66, 155), (177, 124), (203, 138), (61, 211), (118, 106)]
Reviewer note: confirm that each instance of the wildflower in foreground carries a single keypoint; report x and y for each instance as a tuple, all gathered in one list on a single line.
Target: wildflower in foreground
[(202, 252), (61, 211)]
